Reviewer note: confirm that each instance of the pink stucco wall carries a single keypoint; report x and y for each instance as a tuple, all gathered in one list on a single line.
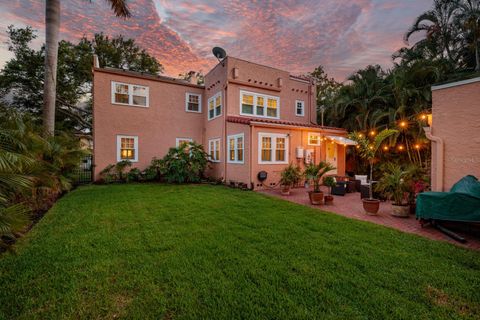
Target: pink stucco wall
[(265, 80), (157, 126), (456, 120)]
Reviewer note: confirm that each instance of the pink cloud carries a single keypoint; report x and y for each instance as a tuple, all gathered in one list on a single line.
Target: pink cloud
[(342, 35)]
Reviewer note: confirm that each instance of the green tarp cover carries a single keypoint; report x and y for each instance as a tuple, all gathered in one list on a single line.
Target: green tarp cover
[(462, 203)]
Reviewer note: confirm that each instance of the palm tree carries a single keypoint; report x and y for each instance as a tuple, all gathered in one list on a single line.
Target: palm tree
[(52, 26), (468, 18), (368, 149), (439, 27)]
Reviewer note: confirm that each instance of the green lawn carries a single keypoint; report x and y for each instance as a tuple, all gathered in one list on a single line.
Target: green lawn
[(151, 251)]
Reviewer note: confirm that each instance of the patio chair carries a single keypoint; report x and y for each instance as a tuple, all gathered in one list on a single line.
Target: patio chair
[(359, 181), (461, 204), (340, 188)]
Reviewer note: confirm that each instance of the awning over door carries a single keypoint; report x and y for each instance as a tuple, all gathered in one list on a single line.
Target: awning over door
[(342, 140)]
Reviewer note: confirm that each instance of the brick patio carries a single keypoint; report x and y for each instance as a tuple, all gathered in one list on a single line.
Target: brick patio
[(350, 206)]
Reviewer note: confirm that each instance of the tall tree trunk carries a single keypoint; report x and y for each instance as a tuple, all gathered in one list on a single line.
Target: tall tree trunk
[(52, 26)]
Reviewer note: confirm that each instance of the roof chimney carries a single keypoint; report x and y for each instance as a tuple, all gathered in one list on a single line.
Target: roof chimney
[(192, 76)]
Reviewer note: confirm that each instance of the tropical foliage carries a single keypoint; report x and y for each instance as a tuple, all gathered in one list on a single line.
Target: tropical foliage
[(34, 170), (290, 175), (373, 99), (394, 184), (316, 172), (368, 147)]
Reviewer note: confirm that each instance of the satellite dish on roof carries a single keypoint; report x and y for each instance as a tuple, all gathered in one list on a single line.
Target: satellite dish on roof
[(219, 53)]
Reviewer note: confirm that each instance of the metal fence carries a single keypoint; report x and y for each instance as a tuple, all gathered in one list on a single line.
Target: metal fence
[(83, 174)]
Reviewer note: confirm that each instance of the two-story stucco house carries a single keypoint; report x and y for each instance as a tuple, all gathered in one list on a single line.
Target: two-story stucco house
[(248, 117)]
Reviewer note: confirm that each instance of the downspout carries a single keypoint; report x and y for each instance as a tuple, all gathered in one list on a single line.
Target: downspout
[(437, 185), (225, 145), (250, 153)]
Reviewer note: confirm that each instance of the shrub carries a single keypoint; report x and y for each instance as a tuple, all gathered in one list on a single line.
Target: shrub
[(115, 172), (290, 175), (34, 170), (184, 164)]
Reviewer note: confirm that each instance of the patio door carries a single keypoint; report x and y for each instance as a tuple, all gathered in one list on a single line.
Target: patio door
[(331, 156)]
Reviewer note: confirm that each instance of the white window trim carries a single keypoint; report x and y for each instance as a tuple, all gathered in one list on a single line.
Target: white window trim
[(214, 106), (303, 108), (187, 96), (235, 137), (119, 145), (210, 148), (130, 95), (314, 134), (255, 95), (177, 141), (274, 147)]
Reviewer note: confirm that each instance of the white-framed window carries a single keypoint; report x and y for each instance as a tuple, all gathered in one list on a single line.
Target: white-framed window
[(235, 145), (193, 102), (314, 139), (127, 148), (180, 141), (215, 106), (214, 150), (272, 148), (130, 94), (259, 105), (299, 108)]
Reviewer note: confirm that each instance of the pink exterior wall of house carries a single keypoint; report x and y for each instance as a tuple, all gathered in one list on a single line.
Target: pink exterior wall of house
[(262, 79), (456, 120), (156, 132), (165, 119)]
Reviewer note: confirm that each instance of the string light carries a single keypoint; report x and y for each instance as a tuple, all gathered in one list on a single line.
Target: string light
[(423, 117), (385, 148), (403, 124), (400, 148), (370, 147), (372, 133), (360, 135), (417, 146)]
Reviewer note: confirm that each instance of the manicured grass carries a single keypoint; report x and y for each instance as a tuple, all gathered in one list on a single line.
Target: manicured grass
[(151, 251)]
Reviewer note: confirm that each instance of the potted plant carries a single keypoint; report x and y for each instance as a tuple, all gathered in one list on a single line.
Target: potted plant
[(367, 150), (315, 173), (290, 176), (394, 185), (330, 183)]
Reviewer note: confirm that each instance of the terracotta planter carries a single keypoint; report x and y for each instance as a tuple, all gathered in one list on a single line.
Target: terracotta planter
[(316, 197), (371, 206), (285, 190), (400, 211), (328, 199)]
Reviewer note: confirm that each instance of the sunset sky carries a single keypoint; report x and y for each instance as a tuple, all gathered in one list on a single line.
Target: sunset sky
[(341, 35)]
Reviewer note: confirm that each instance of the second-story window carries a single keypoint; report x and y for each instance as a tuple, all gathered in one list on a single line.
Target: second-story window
[(193, 102), (129, 94), (259, 105), (215, 106), (300, 108)]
